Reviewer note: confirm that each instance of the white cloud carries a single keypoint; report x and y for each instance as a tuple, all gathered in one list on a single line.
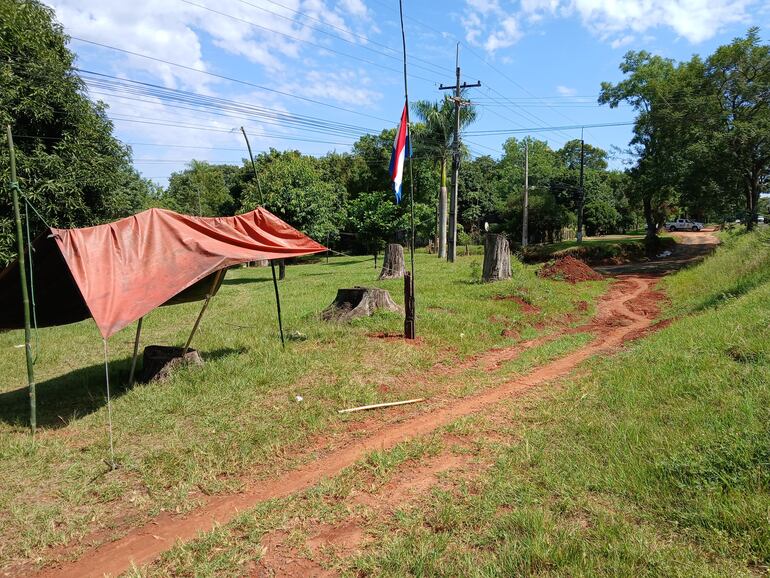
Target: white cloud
[(622, 41), (507, 34), (344, 86), (566, 91), (619, 22), (254, 31)]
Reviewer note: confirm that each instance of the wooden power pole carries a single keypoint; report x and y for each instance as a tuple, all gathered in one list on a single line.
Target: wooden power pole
[(24, 292), (525, 215), (459, 103)]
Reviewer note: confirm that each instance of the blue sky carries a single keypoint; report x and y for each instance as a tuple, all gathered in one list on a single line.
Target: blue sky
[(333, 66)]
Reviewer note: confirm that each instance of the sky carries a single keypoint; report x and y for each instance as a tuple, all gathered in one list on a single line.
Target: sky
[(180, 77)]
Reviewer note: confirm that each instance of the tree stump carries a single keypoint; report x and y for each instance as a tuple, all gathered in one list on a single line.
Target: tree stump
[(358, 302), (497, 258), (393, 262), (159, 362)]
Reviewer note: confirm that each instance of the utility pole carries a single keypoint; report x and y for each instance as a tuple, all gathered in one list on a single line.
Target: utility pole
[(581, 190), (459, 102), (525, 217), (24, 292)]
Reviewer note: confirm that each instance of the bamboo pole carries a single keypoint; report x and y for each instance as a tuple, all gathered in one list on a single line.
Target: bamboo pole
[(24, 292), (272, 265), (217, 277), (378, 405), (136, 352)]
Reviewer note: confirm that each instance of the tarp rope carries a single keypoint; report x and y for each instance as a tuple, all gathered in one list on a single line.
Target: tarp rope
[(109, 405)]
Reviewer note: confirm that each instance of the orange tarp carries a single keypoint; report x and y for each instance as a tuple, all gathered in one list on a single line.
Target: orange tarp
[(124, 270)]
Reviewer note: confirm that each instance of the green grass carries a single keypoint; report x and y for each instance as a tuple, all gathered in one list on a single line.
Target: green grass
[(740, 264), (197, 432), (655, 462)]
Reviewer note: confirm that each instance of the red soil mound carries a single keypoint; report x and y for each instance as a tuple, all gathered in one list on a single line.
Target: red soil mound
[(569, 269)]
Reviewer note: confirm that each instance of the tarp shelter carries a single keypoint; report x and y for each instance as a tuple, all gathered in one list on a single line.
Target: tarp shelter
[(118, 272)]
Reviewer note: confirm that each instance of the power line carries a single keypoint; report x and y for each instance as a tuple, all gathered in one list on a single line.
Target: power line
[(345, 31), (297, 39), (550, 128), (230, 79)]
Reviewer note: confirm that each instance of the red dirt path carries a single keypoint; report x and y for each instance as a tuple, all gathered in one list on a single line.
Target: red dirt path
[(617, 319)]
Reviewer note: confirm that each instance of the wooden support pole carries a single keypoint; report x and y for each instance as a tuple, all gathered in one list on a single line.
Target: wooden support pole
[(409, 331), (217, 277), (378, 405), (136, 352), (24, 292)]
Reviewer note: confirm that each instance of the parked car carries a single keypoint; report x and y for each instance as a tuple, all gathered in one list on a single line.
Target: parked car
[(684, 225)]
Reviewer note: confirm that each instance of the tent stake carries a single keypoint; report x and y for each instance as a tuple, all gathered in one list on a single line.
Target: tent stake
[(278, 304), (24, 293), (136, 352), (203, 310)]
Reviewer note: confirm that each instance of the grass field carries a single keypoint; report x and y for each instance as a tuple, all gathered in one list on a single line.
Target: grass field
[(196, 433), (655, 462)]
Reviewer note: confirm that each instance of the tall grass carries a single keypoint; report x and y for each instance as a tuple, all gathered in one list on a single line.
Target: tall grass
[(741, 263)]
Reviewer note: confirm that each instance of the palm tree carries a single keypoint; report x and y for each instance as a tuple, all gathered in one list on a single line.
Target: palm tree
[(436, 141)]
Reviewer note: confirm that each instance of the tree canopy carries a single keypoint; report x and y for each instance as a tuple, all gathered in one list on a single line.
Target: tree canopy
[(69, 165)]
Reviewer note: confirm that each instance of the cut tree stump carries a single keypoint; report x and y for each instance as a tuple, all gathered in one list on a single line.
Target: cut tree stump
[(358, 302), (159, 361), (393, 262), (497, 258)]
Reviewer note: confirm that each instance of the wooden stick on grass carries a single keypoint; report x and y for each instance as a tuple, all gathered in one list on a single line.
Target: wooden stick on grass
[(378, 405)]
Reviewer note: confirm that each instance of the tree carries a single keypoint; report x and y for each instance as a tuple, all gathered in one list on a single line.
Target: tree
[(294, 189), (702, 133), (478, 201), (650, 84), (70, 167), (738, 77), (200, 190), (375, 218), (435, 141)]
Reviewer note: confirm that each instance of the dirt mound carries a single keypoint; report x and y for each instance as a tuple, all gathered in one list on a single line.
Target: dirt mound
[(569, 269)]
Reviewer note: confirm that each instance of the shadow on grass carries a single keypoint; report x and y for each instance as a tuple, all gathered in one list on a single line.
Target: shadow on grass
[(245, 280), (76, 394), (348, 262)]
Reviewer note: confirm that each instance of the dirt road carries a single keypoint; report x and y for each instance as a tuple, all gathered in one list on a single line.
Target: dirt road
[(626, 311), (690, 248)]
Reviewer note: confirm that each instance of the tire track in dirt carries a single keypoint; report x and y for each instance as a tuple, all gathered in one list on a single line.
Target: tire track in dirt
[(614, 321)]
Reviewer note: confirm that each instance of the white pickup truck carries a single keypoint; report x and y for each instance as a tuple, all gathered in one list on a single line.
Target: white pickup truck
[(684, 225)]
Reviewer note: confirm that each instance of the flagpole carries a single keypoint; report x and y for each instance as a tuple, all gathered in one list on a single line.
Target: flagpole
[(409, 330)]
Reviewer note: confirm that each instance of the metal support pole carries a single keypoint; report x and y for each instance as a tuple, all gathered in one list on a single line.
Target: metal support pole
[(24, 292), (136, 352)]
